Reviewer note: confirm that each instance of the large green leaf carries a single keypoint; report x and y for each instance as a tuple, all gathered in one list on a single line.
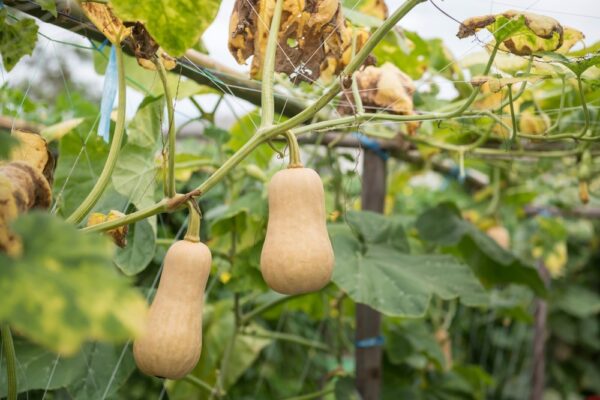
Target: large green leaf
[(373, 267), (578, 301), (412, 342), (443, 225), (63, 289), (86, 374), (176, 24), (16, 39)]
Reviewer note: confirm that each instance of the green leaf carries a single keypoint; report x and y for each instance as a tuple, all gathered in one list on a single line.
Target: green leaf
[(579, 302), (218, 328), (373, 270), (407, 339), (175, 24), (82, 157), (136, 170), (63, 290), (444, 226), (48, 5), (345, 389), (578, 65), (16, 39), (139, 252), (362, 19), (85, 375)]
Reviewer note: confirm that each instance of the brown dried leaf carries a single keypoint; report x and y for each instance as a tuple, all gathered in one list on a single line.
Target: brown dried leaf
[(33, 149), (313, 37), (383, 87), (118, 235), (22, 187), (103, 17)]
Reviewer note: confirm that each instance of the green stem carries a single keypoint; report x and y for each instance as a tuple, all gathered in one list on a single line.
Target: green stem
[(170, 189), (199, 383), (504, 103), (354, 64), (157, 208), (288, 337), (92, 198), (311, 396), (401, 118), (193, 229), (11, 362), (268, 73), (513, 117), (563, 92), (295, 160), (586, 112), (493, 206), (355, 92), (266, 307)]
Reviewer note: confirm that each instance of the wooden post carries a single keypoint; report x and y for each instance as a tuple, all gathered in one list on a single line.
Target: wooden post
[(368, 321), (538, 378)]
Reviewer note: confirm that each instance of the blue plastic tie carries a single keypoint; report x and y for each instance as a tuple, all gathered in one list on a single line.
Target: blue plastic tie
[(373, 145), (369, 342), (109, 93)]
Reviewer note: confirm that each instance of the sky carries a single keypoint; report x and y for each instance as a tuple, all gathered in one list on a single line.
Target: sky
[(424, 19)]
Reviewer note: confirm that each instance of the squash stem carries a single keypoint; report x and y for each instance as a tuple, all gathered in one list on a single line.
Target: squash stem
[(267, 100), (11, 362), (170, 181), (105, 176), (295, 160), (194, 217)]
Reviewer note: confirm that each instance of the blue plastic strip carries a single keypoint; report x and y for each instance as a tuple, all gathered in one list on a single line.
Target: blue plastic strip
[(369, 342), (109, 94), (372, 145)]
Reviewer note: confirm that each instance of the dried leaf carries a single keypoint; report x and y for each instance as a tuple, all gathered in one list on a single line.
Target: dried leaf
[(118, 235), (103, 17), (386, 88), (33, 149), (57, 131), (22, 187), (313, 37)]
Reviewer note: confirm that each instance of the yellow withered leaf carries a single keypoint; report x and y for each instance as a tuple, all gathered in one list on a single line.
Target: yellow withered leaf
[(103, 17)]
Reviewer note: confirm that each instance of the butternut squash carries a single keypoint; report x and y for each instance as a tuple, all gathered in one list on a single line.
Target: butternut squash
[(297, 256), (171, 343)]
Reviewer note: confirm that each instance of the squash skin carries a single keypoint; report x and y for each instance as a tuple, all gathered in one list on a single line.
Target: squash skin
[(172, 341), (297, 256)]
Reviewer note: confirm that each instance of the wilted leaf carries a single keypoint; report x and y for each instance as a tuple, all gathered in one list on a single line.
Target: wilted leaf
[(175, 24), (312, 37), (375, 269), (384, 88), (521, 33), (16, 39), (63, 290), (104, 18), (118, 235)]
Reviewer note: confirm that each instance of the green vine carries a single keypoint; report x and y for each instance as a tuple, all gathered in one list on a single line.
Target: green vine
[(115, 147), (170, 181), (11, 362)]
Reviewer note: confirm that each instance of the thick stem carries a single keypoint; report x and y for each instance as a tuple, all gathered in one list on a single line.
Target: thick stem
[(170, 187), (193, 229), (513, 117), (295, 160), (199, 383), (563, 92), (267, 101), (104, 179), (11, 362)]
